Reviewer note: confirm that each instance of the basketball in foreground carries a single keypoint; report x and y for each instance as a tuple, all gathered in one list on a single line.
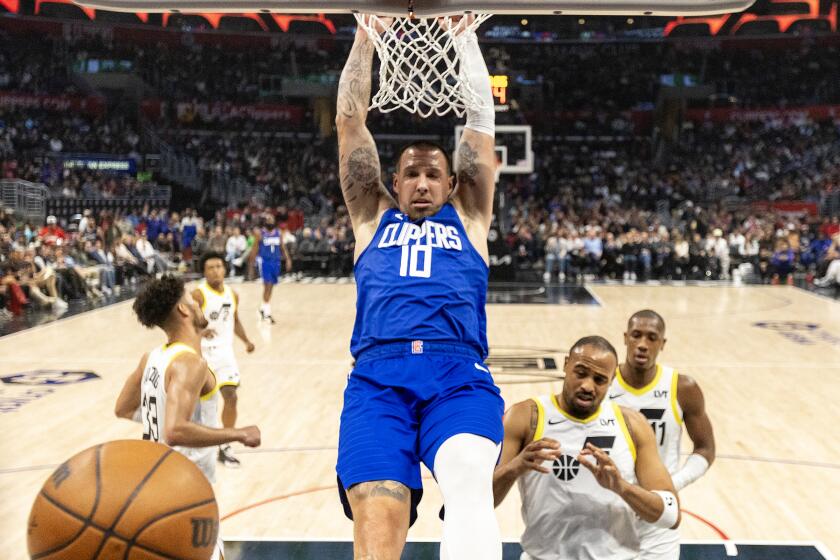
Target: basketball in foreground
[(128, 499)]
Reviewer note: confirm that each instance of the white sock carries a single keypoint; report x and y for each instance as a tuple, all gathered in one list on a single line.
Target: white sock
[(464, 467), (266, 308)]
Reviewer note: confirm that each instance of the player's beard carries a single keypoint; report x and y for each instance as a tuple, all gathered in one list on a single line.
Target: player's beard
[(200, 322)]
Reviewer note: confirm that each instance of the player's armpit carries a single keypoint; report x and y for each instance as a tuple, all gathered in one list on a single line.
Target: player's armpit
[(520, 425)]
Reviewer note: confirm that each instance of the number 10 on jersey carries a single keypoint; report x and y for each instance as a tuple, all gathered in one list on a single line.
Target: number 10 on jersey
[(411, 264)]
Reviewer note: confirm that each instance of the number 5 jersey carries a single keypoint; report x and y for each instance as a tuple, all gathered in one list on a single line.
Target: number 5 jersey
[(568, 515)]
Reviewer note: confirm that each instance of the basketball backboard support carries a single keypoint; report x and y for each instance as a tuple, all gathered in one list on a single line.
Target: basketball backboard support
[(513, 148), (431, 8)]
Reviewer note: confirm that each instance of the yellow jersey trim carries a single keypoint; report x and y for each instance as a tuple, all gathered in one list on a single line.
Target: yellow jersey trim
[(203, 296), (674, 402), (209, 287), (184, 349), (538, 434), (641, 391), (573, 418), (215, 388), (624, 430)]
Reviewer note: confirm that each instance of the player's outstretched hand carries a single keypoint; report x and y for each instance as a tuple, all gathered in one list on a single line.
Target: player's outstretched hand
[(381, 25), (249, 347), (603, 469), (456, 24), (251, 436), (536, 453)]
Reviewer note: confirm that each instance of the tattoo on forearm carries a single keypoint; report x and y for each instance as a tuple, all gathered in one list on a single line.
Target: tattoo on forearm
[(384, 488), (467, 166), (354, 85), (535, 415), (360, 173)]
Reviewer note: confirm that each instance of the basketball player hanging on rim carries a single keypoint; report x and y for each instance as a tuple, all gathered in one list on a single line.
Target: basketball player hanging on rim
[(419, 390), (172, 391), (220, 305), (271, 253), (587, 468), (668, 400)]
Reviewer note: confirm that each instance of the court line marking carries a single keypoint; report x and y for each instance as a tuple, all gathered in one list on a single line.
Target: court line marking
[(42, 326), (314, 489), (304, 449), (714, 527), (817, 294), (782, 301)]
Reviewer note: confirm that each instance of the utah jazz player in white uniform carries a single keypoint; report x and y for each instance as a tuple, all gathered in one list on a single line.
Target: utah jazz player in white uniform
[(668, 401), (172, 391), (587, 468), (220, 305)]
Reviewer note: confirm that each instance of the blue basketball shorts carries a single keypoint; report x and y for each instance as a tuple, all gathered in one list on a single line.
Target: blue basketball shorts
[(269, 270), (403, 400)]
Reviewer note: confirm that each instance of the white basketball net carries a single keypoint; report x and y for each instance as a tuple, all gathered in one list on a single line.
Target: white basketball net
[(419, 64)]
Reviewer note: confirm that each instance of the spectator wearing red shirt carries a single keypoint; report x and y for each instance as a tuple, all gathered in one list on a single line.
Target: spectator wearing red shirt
[(52, 234)]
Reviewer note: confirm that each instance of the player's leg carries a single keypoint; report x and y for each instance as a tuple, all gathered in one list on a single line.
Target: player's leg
[(381, 511), (223, 364), (463, 468), (270, 277), (460, 433), (378, 469), (229, 401)]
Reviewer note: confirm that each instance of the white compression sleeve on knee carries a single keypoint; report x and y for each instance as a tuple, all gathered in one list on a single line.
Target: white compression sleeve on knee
[(695, 467), (464, 467), (474, 72)]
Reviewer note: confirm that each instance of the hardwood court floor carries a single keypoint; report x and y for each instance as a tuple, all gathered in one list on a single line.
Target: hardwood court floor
[(767, 358)]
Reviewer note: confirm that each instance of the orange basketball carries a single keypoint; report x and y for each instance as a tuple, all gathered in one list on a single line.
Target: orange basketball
[(128, 499)]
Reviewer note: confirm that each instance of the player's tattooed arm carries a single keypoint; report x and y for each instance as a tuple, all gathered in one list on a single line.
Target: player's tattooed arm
[(520, 453), (475, 171), (360, 173), (354, 85)]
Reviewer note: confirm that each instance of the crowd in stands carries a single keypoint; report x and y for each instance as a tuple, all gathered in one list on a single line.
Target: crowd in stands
[(609, 208), (95, 256)]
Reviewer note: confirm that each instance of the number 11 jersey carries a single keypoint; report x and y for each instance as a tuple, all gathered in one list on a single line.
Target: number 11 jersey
[(420, 281), (657, 401)]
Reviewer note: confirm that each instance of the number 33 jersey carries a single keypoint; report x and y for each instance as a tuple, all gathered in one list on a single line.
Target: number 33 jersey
[(657, 401), (153, 406), (420, 280)]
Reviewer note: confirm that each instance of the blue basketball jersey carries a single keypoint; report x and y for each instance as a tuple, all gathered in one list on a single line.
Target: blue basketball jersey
[(270, 246), (420, 281)]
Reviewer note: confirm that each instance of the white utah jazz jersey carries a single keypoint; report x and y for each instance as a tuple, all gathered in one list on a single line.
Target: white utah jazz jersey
[(153, 406), (219, 309), (657, 401), (567, 514)]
